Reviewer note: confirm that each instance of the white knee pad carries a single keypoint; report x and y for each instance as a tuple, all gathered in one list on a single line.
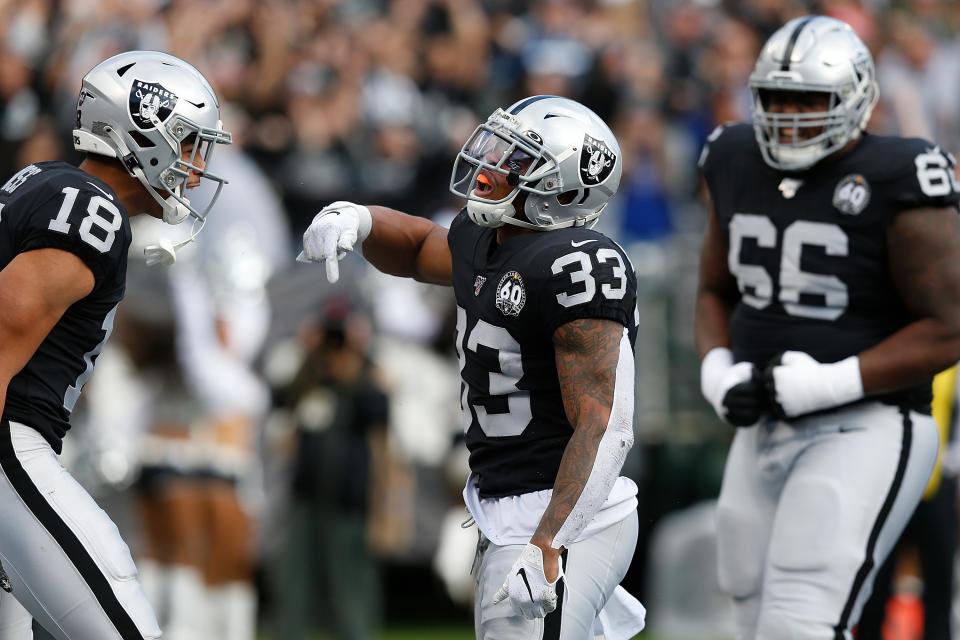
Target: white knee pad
[(806, 536), (740, 559)]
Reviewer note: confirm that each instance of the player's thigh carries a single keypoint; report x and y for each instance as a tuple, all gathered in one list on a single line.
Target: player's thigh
[(498, 621), (745, 512), (16, 623), (66, 561), (848, 498), (593, 569)]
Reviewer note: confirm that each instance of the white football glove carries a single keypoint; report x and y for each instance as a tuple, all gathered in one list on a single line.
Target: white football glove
[(527, 587), (735, 390), (333, 232), (798, 384)]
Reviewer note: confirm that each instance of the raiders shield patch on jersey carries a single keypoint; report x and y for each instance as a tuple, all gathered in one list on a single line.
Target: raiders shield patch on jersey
[(596, 161), (148, 99), (852, 194), (511, 295)]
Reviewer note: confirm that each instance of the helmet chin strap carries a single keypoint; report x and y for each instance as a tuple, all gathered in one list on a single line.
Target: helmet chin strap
[(491, 215), (486, 214)]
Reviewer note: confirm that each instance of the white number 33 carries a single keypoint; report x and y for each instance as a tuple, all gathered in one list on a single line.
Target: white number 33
[(581, 273)]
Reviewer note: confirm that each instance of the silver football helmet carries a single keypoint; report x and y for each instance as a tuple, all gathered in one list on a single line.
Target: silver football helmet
[(139, 107), (812, 54), (556, 152)]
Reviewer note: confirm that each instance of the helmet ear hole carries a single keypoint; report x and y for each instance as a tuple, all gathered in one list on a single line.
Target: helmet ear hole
[(567, 196), (142, 140)]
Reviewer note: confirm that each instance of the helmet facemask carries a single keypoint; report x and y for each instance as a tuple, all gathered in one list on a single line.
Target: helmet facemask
[(179, 133), (816, 134), (812, 55), (497, 147)]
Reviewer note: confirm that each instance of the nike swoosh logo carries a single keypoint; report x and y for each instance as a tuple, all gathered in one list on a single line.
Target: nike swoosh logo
[(523, 574), (574, 243), (109, 197)]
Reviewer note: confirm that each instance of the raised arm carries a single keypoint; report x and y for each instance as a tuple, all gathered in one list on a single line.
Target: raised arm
[(392, 241), (408, 246), (36, 288)]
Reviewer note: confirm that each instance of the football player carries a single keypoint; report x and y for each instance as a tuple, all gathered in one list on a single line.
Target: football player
[(829, 296), (148, 122), (545, 331)]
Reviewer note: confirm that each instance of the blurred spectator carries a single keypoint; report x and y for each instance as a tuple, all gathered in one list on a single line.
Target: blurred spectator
[(20, 107), (920, 69), (340, 411)]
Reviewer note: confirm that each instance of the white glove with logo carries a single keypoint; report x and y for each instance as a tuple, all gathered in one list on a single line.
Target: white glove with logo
[(333, 232), (735, 390), (798, 384), (527, 587)]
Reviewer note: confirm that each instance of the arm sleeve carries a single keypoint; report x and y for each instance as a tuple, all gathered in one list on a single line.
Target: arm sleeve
[(611, 454)]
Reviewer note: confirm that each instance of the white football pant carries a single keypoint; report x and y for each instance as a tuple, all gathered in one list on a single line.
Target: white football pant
[(592, 570), (808, 512), (67, 564)]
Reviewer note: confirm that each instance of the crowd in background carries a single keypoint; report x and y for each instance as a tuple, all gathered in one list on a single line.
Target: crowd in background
[(369, 101)]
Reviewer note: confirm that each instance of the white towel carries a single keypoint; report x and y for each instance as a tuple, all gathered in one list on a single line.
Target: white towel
[(622, 617)]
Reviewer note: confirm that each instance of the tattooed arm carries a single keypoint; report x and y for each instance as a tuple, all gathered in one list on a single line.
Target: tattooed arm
[(595, 365), (924, 250)]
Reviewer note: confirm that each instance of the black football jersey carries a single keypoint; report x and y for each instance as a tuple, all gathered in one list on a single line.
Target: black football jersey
[(809, 249), (56, 205), (510, 300)]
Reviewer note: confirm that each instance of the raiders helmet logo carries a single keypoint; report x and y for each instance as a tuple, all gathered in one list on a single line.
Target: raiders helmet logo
[(596, 161), (149, 99)]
